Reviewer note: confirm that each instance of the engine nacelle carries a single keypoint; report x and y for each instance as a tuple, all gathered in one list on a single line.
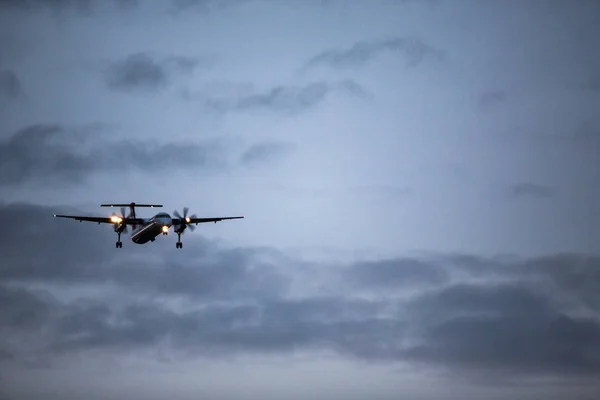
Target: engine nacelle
[(118, 228), (119, 224)]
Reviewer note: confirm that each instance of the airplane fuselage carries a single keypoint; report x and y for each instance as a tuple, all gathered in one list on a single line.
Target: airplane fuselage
[(159, 224)]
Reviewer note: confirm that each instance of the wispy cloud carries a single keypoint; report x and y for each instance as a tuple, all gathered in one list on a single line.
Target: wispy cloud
[(413, 49), (82, 6), (47, 154), (147, 72), (203, 5), (260, 153), (286, 99)]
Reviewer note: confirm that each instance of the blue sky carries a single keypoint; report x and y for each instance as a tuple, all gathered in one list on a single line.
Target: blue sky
[(419, 180)]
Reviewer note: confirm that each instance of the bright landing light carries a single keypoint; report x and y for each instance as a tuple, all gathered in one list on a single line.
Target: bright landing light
[(165, 229), (116, 219)]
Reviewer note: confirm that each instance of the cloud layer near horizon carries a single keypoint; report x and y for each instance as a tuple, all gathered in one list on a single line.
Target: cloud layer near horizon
[(519, 318)]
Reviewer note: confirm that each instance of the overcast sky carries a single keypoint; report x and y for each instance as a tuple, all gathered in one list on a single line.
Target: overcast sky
[(420, 181)]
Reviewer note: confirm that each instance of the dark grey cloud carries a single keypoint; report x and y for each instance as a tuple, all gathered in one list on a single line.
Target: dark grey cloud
[(486, 300), (81, 6), (260, 153), (287, 99), (208, 6), (10, 84), (26, 310), (50, 154), (525, 189), (203, 5), (147, 72), (4, 355), (220, 275), (396, 273), (504, 317), (412, 48), (84, 254), (214, 329), (34, 243), (506, 327), (575, 276), (217, 329)]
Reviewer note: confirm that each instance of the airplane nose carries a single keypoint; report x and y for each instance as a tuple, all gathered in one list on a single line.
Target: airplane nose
[(166, 224)]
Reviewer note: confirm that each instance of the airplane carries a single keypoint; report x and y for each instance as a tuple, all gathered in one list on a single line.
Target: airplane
[(146, 230)]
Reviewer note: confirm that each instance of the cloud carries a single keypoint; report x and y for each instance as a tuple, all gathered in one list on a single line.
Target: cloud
[(395, 273), (217, 330), (10, 84), (207, 6), (412, 48), (288, 100), (203, 5), (82, 6), (510, 317), (82, 255), (143, 72), (4, 355), (212, 330), (260, 153), (532, 190), (50, 154), (508, 328)]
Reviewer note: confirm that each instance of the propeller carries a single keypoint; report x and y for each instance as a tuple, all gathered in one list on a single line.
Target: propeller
[(121, 226), (184, 220)]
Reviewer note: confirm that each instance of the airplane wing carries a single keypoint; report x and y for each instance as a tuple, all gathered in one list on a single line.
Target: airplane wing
[(103, 220), (196, 221)]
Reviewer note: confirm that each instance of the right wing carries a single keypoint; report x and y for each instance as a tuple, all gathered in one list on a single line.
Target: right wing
[(196, 221), (103, 220)]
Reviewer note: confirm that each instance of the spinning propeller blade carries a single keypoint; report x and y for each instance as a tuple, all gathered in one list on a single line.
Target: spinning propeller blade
[(185, 220), (122, 224), (124, 218)]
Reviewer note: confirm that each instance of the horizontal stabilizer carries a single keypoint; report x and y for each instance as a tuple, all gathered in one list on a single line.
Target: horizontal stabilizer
[(130, 205)]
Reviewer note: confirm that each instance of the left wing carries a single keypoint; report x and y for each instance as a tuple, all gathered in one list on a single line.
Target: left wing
[(103, 220), (196, 221)]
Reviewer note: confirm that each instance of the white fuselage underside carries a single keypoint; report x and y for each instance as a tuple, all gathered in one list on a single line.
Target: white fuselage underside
[(154, 227)]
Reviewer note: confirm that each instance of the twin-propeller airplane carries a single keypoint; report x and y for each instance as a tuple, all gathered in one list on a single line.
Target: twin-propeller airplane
[(146, 230)]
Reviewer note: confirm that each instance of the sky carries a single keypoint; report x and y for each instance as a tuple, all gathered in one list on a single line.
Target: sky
[(419, 180)]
